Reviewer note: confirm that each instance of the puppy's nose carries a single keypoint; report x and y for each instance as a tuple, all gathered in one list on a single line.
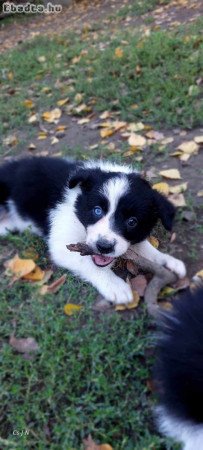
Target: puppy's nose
[(105, 246)]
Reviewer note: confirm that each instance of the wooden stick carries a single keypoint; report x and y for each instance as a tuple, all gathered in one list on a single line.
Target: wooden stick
[(161, 278)]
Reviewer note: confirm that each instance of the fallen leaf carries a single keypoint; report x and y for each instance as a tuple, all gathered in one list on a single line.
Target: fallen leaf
[(199, 274), (71, 308), (83, 121), (107, 132), (153, 241), (19, 267), (41, 59), (63, 102), (133, 127), (28, 104), (178, 189), (78, 98), (36, 275), (189, 147), (166, 305), (118, 52), (166, 292), (54, 140), (42, 135), (31, 146), (90, 444), (167, 140), (54, 287), (163, 188), (34, 118), (52, 116), (131, 305), (105, 115), (131, 267), (156, 135), (24, 345), (136, 140), (172, 174), (139, 284), (10, 141), (178, 200), (198, 139), (200, 194)]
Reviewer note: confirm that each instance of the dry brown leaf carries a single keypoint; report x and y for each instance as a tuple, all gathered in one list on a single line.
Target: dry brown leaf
[(53, 287), (24, 345), (199, 274), (163, 188), (139, 284), (19, 267), (178, 200), (131, 267), (136, 140), (172, 174)]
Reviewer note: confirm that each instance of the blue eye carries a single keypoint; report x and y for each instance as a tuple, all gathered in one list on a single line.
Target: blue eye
[(98, 211), (132, 222)]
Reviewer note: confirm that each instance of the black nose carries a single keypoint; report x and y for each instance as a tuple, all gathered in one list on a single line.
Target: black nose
[(105, 246)]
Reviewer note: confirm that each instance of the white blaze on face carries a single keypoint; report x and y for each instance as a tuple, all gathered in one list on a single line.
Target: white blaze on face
[(113, 190)]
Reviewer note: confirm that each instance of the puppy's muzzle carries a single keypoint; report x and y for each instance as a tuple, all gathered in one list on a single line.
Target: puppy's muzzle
[(105, 247)]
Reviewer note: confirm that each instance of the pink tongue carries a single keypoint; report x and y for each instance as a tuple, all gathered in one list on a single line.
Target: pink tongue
[(101, 260)]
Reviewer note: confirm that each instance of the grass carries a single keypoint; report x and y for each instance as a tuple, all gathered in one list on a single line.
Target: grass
[(90, 375), (137, 8), (151, 81)]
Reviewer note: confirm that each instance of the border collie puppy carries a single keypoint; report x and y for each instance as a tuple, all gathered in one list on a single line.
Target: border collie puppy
[(179, 372), (107, 206)]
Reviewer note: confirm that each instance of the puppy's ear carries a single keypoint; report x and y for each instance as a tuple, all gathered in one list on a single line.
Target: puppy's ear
[(82, 177), (166, 211)]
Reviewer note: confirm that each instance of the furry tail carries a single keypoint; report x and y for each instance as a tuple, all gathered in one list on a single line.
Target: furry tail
[(178, 372)]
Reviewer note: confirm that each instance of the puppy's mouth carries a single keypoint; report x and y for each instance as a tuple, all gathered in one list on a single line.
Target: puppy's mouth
[(101, 260)]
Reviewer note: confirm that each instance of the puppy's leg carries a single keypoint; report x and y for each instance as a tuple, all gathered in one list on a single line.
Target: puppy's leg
[(147, 250), (110, 286)]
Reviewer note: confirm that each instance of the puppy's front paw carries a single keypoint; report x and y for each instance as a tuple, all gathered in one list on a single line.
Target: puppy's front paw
[(175, 265), (118, 291)]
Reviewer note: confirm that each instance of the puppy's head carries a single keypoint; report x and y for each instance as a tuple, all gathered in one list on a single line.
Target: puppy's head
[(117, 210)]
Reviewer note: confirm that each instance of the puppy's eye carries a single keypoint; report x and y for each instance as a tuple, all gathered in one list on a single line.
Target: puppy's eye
[(98, 211), (132, 222)]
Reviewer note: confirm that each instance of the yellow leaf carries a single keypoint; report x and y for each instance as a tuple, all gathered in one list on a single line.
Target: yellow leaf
[(54, 140), (137, 140), (63, 101), (36, 275), (177, 153), (34, 118), (118, 124), (133, 127), (167, 140), (200, 194), (105, 115), (132, 151), (178, 200), (198, 139), (107, 132), (105, 447), (166, 305), (131, 305), (41, 59), (42, 135), (11, 140), (178, 189), (118, 52), (163, 188), (52, 116), (31, 146), (28, 104), (166, 292), (172, 174), (10, 76), (61, 128), (153, 241), (189, 147), (83, 121), (184, 157), (78, 98), (19, 267), (71, 308), (200, 273)]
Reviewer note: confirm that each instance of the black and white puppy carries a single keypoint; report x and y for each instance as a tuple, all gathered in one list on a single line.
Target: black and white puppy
[(179, 372), (107, 206)]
